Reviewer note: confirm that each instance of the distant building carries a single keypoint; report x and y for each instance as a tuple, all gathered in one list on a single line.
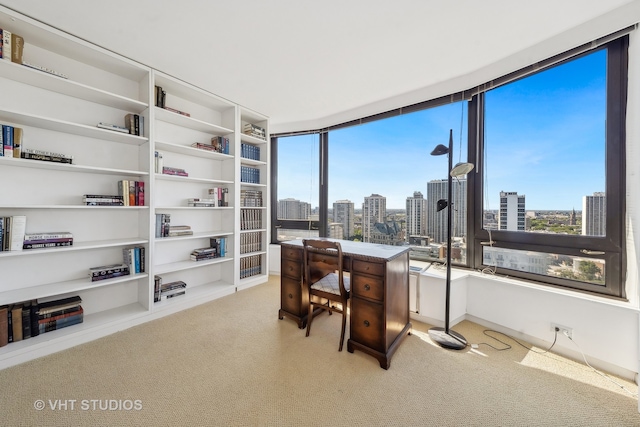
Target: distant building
[(343, 213), (293, 209), (437, 221), (594, 215), (512, 211), (336, 230), (389, 233), (416, 215), (374, 210)]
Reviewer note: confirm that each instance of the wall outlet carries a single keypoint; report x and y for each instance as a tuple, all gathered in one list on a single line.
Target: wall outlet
[(563, 330)]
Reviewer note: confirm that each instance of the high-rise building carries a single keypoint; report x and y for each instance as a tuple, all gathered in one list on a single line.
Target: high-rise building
[(374, 209), (293, 209), (416, 215), (437, 221), (343, 213), (512, 211), (594, 215)]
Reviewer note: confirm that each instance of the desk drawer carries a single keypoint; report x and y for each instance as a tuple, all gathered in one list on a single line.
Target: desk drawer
[(367, 287), (291, 269), (367, 324), (374, 268), (291, 253), (291, 299)]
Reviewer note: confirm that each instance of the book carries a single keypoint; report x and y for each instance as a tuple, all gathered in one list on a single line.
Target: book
[(132, 193), (17, 46), (4, 325), (26, 320), (139, 193), (17, 142), (113, 127), (16, 317), (123, 191), (129, 123), (46, 153), (58, 304), (6, 45), (17, 232), (45, 245), (45, 158), (108, 271), (7, 140), (173, 110)]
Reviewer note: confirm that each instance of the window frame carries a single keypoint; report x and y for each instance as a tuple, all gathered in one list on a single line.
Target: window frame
[(613, 244)]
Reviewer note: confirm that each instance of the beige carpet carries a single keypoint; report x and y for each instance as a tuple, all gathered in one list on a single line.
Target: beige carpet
[(231, 362)]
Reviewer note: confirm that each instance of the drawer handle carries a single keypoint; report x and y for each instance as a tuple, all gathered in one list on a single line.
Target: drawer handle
[(367, 268), (367, 287), (291, 296), (366, 323), (290, 268)]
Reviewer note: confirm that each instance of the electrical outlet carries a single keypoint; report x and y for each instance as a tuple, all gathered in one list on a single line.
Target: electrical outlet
[(564, 330)]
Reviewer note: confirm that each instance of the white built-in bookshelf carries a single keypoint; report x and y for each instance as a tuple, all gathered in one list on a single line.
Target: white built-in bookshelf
[(60, 115)]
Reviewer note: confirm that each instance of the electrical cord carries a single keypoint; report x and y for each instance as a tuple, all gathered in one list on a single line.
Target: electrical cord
[(508, 346), (602, 374)]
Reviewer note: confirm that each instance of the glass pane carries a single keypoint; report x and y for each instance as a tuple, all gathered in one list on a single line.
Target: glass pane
[(298, 188), (568, 267), (384, 185), (285, 234), (545, 151)]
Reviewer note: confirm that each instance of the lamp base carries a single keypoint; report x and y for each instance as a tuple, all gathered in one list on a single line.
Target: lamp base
[(451, 340)]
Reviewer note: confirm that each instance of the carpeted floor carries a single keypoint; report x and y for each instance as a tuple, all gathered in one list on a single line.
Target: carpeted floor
[(231, 362)]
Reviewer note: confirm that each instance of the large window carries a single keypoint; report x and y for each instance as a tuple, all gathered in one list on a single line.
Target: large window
[(545, 201), (548, 199)]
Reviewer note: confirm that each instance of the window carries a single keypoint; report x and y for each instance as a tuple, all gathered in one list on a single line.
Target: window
[(552, 151), (296, 187)]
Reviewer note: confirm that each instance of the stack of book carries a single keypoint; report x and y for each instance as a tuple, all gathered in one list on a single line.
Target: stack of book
[(202, 202), (220, 243), (180, 230), (12, 232), (163, 222), (18, 321), (251, 198), (158, 162), (11, 141), (47, 240), (221, 144), (166, 170), (203, 254), (248, 151), (11, 46), (46, 156), (250, 242), (135, 259), (102, 200), (163, 291), (254, 130), (111, 126), (132, 192), (249, 175), (161, 95), (105, 272), (220, 195), (53, 315), (135, 124)]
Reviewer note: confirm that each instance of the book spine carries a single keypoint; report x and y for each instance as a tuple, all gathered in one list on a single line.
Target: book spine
[(6, 45), (17, 47), (17, 232), (17, 142), (46, 245), (7, 136)]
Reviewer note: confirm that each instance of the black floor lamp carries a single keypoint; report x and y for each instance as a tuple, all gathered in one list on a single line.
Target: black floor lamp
[(443, 336)]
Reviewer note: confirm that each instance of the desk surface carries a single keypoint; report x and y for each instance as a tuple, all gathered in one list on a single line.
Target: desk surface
[(361, 250)]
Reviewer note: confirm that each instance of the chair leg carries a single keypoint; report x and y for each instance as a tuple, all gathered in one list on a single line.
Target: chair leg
[(309, 317), (344, 324)]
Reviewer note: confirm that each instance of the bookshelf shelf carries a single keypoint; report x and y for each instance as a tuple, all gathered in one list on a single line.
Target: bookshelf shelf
[(189, 122), (252, 162), (198, 294), (77, 246), (59, 288), (191, 151), (62, 207), (187, 265), (68, 87), (252, 139), (179, 178), (25, 119), (37, 164), (198, 235)]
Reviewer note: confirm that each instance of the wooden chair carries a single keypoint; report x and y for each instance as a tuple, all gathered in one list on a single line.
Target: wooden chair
[(325, 280)]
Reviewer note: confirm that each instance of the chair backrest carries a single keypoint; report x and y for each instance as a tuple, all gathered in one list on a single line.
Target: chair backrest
[(322, 257)]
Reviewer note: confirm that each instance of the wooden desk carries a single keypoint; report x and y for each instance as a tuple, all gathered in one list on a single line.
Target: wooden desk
[(379, 318)]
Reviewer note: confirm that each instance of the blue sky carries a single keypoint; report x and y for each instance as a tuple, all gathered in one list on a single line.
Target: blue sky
[(545, 139)]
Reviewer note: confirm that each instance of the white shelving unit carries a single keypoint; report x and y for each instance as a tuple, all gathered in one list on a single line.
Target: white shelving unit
[(60, 114)]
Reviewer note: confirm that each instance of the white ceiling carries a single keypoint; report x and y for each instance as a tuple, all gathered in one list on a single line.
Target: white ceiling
[(309, 64)]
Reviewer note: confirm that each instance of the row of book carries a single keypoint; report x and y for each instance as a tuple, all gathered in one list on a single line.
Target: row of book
[(164, 291), (251, 198), (249, 151), (250, 219), (44, 156), (249, 175), (250, 266), (29, 319), (132, 192), (217, 249), (12, 232), (220, 194), (165, 229), (180, 230), (250, 242), (102, 200), (135, 259), (11, 46), (167, 170), (111, 271), (134, 123), (160, 100), (47, 240), (254, 130), (10, 141)]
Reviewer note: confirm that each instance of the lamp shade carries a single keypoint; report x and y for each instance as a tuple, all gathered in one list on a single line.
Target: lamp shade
[(461, 169), (439, 150)]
